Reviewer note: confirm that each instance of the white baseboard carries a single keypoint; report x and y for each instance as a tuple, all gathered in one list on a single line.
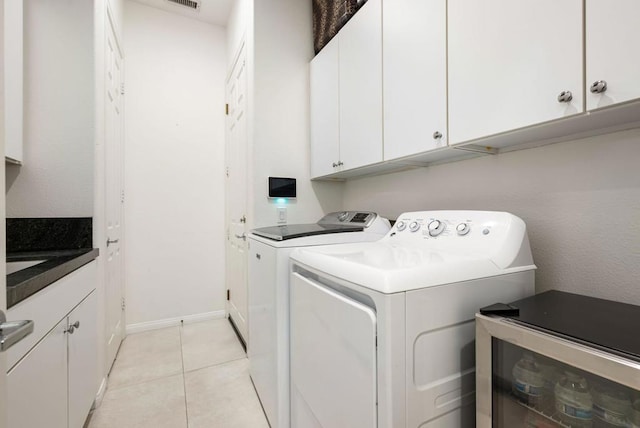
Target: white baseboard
[(171, 322), (100, 395)]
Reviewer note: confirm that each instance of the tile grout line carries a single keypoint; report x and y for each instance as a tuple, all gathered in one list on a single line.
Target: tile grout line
[(216, 364), (184, 380)]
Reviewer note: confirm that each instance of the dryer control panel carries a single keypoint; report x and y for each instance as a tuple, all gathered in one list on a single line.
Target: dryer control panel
[(467, 232)]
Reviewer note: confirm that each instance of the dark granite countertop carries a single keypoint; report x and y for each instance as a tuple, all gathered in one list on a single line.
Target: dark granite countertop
[(58, 263)]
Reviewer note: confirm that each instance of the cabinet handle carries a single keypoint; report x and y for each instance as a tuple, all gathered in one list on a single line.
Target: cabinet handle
[(565, 97), (340, 163), (12, 332), (115, 241), (258, 256), (437, 135), (598, 87), (334, 165)]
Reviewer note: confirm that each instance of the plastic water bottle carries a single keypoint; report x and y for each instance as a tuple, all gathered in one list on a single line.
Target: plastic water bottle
[(610, 407), (634, 415), (573, 401), (528, 383), (550, 374)]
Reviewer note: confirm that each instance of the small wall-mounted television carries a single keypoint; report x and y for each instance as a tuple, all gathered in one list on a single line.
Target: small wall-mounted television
[(281, 187)]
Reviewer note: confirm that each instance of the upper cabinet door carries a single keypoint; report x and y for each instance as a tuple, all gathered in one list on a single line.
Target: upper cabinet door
[(325, 113), (612, 40), (512, 64), (13, 79), (361, 87), (415, 76)]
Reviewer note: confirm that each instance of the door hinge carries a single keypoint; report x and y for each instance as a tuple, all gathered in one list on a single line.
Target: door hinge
[(122, 196), (228, 294), (122, 89), (122, 304), (226, 109), (227, 172)]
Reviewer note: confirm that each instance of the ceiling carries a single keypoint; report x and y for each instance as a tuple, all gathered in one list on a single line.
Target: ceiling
[(212, 11)]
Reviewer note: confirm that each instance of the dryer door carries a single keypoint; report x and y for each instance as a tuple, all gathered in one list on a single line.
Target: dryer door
[(333, 358)]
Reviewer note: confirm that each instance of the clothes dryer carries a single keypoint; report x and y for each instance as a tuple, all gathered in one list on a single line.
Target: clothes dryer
[(269, 249), (382, 333)]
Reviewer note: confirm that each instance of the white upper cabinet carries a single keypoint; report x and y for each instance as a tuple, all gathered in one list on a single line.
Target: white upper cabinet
[(325, 112), (415, 76), (361, 87), (12, 28), (513, 64), (612, 41)]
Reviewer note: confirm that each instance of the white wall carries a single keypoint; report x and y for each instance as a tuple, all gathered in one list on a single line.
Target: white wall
[(56, 178), (579, 199), (174, 159), (279, 139)]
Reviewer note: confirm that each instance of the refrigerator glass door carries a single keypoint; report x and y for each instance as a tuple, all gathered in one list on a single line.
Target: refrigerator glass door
[(530, 378), (532, 390)]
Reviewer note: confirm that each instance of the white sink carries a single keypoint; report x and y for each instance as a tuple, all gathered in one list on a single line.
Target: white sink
[(16, 266)]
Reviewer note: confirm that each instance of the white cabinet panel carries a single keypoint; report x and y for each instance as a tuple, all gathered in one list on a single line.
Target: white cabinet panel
[(415, 76), (361, 87), (13, 78), (37, 385), (509, 61), (612, 40), (325, 113), (83, 359)]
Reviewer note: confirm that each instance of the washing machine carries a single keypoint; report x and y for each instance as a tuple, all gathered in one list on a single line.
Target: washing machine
[(269, 249), (382, 333)]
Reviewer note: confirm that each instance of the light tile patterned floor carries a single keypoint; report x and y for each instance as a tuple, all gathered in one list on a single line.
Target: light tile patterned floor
[(194, 376)]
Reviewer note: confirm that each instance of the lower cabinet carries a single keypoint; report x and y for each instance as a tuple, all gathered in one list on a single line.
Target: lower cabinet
[(54, 384)]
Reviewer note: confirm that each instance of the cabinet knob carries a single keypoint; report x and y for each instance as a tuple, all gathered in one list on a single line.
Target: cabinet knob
[(73, 327), (335, 165), (437, 135), (565, 97), (598, 87), (340, 163)]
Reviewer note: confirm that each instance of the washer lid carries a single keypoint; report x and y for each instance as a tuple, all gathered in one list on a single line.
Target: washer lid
[(290, 231), (392, 268)]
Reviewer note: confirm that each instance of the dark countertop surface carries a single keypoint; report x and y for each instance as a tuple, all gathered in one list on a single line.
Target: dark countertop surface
[(605, 324), (58, 263)]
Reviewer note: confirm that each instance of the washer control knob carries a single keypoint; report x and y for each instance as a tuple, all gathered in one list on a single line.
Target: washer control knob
[(463, 229), (414, 226), (343, 216), (401, 225), (436, 227)]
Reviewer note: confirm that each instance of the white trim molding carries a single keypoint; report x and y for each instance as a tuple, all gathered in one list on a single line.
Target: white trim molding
[(100, 395), (171, 322)]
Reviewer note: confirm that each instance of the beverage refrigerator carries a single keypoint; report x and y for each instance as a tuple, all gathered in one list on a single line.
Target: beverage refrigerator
[(564, 360)]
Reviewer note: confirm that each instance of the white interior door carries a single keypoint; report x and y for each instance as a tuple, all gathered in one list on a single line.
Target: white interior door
[(114, 284), (333, 358), (236, 195), (3, 254)]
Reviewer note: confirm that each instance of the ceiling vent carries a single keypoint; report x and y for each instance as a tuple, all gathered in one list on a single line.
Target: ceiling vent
[(191, 4)]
